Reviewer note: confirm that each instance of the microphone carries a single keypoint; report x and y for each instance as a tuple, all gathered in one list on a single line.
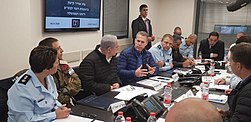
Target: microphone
[(237, 5)]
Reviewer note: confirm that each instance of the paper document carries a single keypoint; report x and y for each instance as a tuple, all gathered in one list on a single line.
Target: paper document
[(161, 79), (217, 98), (128, 92), (152, 83), (213, 86), (188, 94), (161, 120), (73, 118)]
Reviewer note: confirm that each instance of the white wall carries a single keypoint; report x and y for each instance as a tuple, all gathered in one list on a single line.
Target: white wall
[(21, 28), (174, 13)]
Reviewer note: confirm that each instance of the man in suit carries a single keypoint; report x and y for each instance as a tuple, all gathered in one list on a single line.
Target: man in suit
[(143, 24), (212, 47)]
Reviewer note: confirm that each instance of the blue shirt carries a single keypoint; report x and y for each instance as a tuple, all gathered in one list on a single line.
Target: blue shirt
[(185, 50), (159, 54), (29, 100)]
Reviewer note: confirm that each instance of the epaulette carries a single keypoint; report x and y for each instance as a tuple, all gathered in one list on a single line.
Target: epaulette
[(159, 46), (25, 79)]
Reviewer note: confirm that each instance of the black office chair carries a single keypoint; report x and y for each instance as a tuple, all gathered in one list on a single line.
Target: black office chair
[(5, 84)]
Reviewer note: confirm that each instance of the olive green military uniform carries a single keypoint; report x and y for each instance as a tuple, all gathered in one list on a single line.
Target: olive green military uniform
[(66, 90)]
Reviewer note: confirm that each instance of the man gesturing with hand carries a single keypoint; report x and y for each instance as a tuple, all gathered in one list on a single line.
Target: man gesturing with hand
[(135, 62)]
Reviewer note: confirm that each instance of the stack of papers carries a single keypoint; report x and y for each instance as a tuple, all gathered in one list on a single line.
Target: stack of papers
[(217, 98), (152, 83), (128, 92), (72, 118), (213, 86)]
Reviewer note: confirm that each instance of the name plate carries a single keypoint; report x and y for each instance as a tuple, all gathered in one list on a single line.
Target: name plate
[(116, 106), (175, 77)]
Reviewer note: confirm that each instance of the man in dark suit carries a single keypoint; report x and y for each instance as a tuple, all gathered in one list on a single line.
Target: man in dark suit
[(143, 24), (212, 47)]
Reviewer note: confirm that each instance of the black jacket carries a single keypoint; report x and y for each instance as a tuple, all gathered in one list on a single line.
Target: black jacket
[(217, 48), (96, 74), (178, 59), (240, 102), (139, 25)]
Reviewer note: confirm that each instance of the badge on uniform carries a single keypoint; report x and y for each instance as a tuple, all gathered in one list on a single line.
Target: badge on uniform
[(25, 79), (159, 46)]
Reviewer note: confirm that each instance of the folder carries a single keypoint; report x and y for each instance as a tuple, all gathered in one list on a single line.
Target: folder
[(100, 102)]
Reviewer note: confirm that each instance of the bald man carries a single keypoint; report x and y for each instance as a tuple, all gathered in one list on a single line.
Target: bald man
[(193, 110)]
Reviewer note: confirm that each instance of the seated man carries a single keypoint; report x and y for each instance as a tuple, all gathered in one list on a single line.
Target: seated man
[(98, 70), (33, 96), (233, 80), (67, 81), (239, 98), (193, 110), (212, 47), (135, 62), (187, 46), (162, 53), (178, 59)]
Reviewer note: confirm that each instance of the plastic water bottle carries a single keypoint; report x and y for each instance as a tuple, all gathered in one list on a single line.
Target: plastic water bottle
[(128, 119), (120, 117), (167, 95), (205, 90), (212, 68), (152, 117)]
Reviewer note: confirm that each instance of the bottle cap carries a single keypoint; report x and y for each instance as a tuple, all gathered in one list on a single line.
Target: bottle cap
[(205, 82), (168, 84), (128, 119), (152, 114), (120, 113)]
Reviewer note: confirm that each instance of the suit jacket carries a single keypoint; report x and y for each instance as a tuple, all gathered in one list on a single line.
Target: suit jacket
[(139, 25), (217, 48), (239, 102)]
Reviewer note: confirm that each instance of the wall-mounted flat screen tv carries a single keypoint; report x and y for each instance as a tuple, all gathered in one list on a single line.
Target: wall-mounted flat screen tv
[(230, 29), (72, 15)]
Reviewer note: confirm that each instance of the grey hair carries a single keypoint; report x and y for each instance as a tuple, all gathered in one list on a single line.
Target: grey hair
[(108, 41)]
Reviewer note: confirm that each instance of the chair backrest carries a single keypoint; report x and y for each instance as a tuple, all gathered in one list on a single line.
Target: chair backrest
[(5, 85)]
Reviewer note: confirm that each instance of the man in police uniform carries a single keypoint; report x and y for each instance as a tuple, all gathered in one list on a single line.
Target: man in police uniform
[(67, 81), (187, 46), (162, 53), (33, 97)]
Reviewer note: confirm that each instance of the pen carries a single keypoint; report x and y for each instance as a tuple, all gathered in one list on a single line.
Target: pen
[(216, 100)]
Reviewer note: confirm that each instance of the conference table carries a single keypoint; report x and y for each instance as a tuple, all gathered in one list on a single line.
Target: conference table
[(108, 116)]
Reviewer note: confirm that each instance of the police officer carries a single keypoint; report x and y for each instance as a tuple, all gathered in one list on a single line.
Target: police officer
[(67, 81), (162, 53), (33, 97)]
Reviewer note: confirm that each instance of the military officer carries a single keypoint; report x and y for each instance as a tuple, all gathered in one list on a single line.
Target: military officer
[(67, 81), (33, 97), (162, 53)]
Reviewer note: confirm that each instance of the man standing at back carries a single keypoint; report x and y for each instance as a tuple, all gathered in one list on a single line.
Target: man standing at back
[(67, 81), (143, 24), (98, 70)]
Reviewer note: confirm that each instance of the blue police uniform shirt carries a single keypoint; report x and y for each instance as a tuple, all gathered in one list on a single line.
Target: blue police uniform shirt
[(159, 54), (186, 51), (29, 100)]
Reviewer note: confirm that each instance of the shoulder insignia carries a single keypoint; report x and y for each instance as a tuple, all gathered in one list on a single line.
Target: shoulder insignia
[(159, 46), (25, 79)]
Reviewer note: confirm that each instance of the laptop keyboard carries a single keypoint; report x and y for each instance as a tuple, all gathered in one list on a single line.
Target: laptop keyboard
[(178, 92)]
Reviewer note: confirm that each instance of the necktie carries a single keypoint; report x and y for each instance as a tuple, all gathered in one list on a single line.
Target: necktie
[(147, 25)]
